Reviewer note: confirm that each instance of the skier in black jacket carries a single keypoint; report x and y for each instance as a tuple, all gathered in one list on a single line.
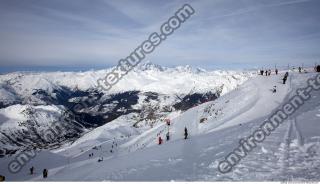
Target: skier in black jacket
[(285, 77), (185, 133)]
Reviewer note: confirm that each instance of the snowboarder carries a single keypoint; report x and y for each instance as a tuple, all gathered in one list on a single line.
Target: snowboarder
[(276, 71), (45, 173), (168, 136), (160, 141), (31, 170), (274, 89), (185, 133), (2, 178)]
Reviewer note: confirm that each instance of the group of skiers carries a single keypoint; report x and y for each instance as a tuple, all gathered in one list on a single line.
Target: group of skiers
[(113, 146), (160, 140), (300, 69), (284, 79), (267, 72), (286, 75), (44, 172)]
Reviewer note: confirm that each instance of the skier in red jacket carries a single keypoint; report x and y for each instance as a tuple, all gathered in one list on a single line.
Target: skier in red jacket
[(160, 140)]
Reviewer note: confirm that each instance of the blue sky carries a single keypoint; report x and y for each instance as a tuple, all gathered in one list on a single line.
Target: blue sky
[(97, 33)]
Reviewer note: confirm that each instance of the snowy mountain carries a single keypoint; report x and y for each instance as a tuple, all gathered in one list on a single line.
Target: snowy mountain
[(122, 152), (31, 101)]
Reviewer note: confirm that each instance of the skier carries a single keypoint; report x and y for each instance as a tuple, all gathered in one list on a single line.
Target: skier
[(31, 170), (274, 89), (100, 159), (318, 68), (2, 178), (269, 72), (185, 133), (45, 173), (276, 71), (168, 136), (284, 80), (261, 72), (168, 122), (300, 69), (266, 72), (160, 141), (285, 77)]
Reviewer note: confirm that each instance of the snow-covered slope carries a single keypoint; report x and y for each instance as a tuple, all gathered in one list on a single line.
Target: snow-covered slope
[(215, 128)]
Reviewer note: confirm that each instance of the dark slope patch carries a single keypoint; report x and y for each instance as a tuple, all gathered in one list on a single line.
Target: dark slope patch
[(195, 99)]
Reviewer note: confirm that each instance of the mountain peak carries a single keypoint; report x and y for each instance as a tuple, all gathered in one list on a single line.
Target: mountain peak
[(150, 66)]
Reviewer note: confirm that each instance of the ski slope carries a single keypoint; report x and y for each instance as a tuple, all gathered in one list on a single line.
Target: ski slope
[(292, 151)]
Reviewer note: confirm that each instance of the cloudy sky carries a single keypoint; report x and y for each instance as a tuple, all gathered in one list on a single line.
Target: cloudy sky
[(97, 33)]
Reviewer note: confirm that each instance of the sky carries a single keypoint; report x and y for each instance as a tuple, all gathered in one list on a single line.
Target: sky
[(225, 34)]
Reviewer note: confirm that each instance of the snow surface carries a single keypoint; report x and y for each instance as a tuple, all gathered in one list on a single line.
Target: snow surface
[(292, 152)]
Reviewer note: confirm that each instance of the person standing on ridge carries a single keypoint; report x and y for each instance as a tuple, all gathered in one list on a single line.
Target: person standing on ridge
[(185, 133), (276, 71), (261, 72)]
